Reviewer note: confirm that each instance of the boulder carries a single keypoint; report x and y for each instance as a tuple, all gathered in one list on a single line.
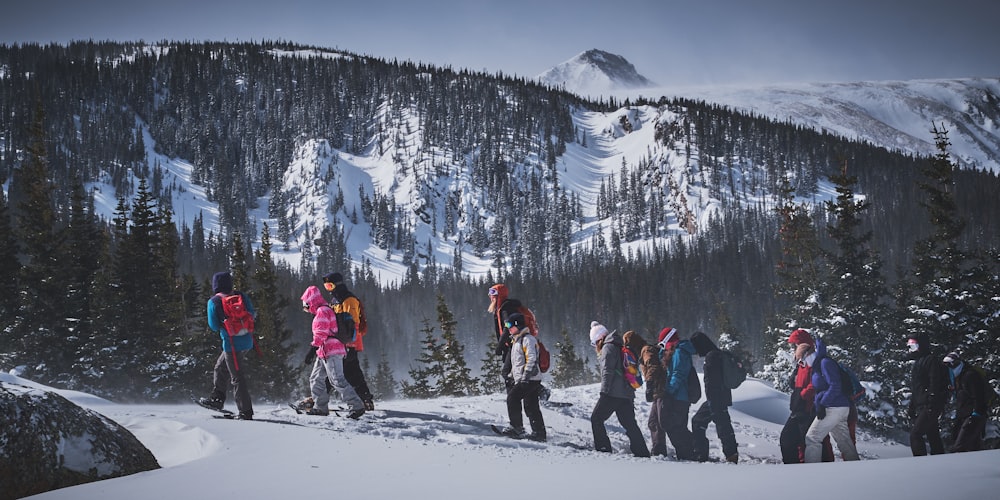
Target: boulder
[(47, 442)]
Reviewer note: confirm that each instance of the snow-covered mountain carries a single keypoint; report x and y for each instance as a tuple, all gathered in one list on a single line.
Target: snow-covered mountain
[(594, 72), (896, 115)]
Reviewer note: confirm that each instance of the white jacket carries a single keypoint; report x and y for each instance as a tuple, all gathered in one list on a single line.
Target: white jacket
[(524, 358)]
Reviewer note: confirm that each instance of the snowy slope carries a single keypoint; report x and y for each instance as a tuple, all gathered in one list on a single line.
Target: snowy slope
[(443, 448)]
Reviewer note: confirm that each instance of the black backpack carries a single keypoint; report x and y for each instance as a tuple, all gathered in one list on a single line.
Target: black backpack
[(733, 371), (346, 331)]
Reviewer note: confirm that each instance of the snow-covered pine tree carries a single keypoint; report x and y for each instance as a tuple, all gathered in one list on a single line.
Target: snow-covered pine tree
[(800, 273), (857, 318), (457, 379)]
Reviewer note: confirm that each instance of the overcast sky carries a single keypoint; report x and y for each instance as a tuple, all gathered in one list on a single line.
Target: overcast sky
[(672, 42)]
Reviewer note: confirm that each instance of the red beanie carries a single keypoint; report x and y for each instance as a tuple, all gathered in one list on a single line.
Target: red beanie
[(667, 335), (800, 336)]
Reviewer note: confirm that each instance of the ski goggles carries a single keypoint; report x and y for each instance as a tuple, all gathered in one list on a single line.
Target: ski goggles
[(493, 292)]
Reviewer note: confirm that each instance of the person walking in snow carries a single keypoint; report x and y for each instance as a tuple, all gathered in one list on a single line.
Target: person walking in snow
[(833, 408), (330, 353), (617, 395), (668, 415), (525, 377), (718, 399), (232, 364), (969, 388), (344, 301), (501, 308), (929, 393), (801, 404)]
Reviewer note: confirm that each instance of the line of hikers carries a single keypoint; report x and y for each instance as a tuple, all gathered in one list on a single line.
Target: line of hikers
[(821, 404)]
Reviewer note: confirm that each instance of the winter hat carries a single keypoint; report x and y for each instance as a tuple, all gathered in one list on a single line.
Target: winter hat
[(222, 282), (667, 335), (597, 332), (800, 336), (516, 319), (335, 278)]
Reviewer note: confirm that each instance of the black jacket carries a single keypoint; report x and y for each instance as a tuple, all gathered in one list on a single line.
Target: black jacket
[(715, 389), (928, 379)]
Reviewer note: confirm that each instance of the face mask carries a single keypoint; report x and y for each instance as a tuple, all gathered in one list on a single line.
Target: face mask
[(913, 345)]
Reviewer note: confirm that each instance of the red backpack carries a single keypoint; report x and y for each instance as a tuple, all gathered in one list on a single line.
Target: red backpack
[(238, 320), (544, 359)]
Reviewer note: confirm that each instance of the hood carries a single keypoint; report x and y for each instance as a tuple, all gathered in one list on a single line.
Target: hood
[(923, 350), (313, 298), (702, 344), (501, 292), (222, 282), (686, 345), (820, 351)]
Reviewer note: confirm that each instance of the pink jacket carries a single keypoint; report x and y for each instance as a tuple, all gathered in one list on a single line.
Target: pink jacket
[(324, 324)]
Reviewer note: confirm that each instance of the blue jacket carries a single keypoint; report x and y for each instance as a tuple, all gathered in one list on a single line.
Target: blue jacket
[(216, 319), (680, 368), (826, 379)]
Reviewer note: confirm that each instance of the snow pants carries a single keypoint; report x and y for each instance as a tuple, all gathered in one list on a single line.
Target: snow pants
[(225, 375), (723, 428), (332, 369), (834, 424), (625, 410)]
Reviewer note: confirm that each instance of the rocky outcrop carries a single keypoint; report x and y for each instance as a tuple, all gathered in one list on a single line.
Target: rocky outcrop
[(47, 442)]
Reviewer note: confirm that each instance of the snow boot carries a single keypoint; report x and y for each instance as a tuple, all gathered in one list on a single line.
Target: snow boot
[(213, 403)]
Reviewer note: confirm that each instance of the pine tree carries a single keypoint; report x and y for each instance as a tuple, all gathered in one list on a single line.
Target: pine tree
[(275, 380), (10, 266), (939, 306), (430, 369), (40, 324), (383, 383), (570, 369), (456, 379), (491, 371), (799, 276), (857, 323)]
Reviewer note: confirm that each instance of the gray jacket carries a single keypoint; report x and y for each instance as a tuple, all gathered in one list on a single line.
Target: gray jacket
[(613, 381)]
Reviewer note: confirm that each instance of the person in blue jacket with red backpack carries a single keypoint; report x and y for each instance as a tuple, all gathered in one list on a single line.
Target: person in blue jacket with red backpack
[(230, 368), (833, 408)]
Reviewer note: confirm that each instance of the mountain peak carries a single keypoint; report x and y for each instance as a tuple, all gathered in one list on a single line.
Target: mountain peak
[(594, 72)]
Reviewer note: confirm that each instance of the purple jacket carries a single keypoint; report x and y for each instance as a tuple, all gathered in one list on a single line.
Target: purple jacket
[(826, 379)]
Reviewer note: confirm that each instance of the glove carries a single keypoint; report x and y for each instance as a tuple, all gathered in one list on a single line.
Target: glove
[(649, 396), (311, 356), (820, 412)]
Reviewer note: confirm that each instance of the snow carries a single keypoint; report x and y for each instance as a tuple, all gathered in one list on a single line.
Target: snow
[(444, 449)]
